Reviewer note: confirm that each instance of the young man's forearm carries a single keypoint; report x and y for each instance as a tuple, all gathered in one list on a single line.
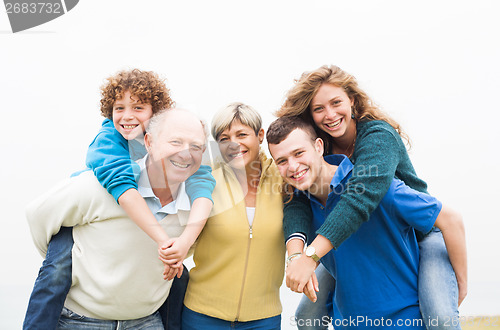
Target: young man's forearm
[(295, 245)]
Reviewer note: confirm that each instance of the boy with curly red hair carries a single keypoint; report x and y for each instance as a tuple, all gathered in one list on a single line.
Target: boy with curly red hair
[(128, 100)]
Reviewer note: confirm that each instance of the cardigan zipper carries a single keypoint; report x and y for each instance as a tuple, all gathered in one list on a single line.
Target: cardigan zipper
[(250, 236)]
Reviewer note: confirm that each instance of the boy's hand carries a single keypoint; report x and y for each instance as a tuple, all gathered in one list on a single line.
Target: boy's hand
[(174, 252)]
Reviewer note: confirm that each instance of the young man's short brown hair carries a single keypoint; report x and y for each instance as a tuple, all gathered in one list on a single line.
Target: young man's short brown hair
[(283, 126), (147, 86)]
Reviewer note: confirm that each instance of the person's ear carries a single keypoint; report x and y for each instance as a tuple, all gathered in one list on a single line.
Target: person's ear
[(318, 146), (147, 141), (261, 135)]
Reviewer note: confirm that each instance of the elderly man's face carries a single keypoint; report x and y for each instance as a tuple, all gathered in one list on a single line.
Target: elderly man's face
[(178, 147)]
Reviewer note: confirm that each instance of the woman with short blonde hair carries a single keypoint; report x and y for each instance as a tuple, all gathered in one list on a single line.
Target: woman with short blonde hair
[(239, 256)]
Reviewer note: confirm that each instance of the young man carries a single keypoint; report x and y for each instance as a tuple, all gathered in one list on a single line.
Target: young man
[(117, 277), (376, 269)]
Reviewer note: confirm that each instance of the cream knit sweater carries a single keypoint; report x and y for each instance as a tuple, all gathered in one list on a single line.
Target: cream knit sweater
[(116, 271)]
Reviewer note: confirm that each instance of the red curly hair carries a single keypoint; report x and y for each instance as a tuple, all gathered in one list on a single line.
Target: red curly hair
[(147, 86)]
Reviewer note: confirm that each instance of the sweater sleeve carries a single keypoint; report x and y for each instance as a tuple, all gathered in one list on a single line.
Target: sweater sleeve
[(75, 201), (378, 152), (297, 216), (200, 184), (109, 158)]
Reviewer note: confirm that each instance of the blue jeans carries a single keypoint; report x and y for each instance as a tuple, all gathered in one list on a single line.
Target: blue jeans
[(192, 320), (437, 284), (437, 289), (73, 321), (315, 316), (54, 281), (52, 284)]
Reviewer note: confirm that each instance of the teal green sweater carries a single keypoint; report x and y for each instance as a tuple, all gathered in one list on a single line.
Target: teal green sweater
[(379, 156)]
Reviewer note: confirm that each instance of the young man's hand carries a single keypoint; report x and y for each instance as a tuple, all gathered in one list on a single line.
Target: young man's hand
[(299, 273), (311, 288)]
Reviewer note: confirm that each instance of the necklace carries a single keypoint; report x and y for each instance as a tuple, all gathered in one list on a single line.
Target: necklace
[(350, 149)]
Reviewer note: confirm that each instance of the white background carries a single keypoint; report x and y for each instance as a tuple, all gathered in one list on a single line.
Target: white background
[(433, 65)]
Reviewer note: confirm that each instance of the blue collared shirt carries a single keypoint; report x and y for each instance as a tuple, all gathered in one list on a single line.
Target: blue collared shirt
[(377, 267), (180, 202)]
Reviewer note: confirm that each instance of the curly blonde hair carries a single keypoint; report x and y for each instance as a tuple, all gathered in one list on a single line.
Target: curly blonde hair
[(147, 86), (299, 98)]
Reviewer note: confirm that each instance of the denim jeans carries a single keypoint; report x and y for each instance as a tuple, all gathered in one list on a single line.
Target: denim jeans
[(316, 316), (72, 321), (52, 284), (192, 320), (437, 284)]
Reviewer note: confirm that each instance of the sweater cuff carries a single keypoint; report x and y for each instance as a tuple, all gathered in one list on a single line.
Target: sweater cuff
[(300, 236), (336, 234)]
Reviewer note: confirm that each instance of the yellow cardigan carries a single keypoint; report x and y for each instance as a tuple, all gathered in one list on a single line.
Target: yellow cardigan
[(239, 269)]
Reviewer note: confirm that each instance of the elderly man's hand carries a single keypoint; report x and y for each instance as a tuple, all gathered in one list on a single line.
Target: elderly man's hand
[(170, 272)]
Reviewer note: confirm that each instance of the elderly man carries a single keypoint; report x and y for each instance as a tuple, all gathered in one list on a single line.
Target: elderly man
[(117, 277)]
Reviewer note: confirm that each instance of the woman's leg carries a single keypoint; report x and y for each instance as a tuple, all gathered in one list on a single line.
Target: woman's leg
[(192, 320), (316, 316), (52, 284), (437, 284)]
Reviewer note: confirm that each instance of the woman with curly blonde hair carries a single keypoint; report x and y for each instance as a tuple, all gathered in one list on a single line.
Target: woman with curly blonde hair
[(350, 123)]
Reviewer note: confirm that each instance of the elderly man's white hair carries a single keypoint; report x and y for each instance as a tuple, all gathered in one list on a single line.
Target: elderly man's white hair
[(156, 121)]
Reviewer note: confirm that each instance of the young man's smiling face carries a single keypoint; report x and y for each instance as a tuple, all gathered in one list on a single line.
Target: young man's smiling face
[(299, 159), (130, 116)]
